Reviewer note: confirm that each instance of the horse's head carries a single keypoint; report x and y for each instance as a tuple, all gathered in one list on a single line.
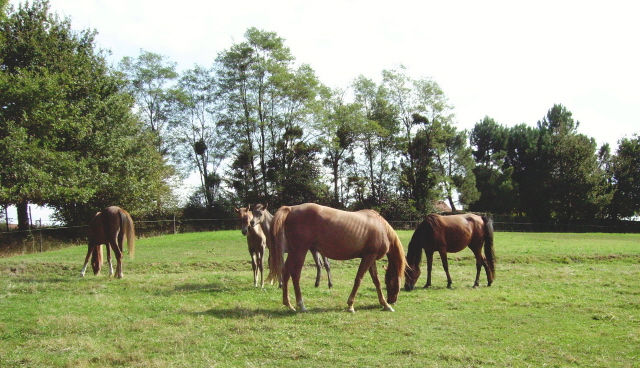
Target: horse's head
[(244, 218), (412, 273), (258, 214)]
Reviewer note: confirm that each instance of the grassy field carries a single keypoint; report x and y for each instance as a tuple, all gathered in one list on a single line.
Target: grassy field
[(187, 300)]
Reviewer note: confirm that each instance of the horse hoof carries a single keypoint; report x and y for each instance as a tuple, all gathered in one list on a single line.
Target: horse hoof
[(351, 310), (388, 308)]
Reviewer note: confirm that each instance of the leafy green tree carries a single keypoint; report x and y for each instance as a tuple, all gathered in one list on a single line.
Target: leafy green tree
[(425, 114), (3, 8), (573, 184), (295, 170), (267, 101), (148, 77), (197, 139), (626, 179), (339, 132), (378, 140), (498, 193), (67, 136), (423, 179), (455, 163)]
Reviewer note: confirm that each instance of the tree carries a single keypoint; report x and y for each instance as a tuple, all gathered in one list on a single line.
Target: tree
[(378, 140), (573, 182), (148, 76), (67, 132), (455, 163), (266, 102), (626, 179), (498, 192), (339, 133), (197, 139), (3, 7)]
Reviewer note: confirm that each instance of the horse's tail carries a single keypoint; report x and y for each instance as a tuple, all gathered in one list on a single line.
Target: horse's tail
[(278, 244), (129, 230), (396, 257), (488, 245)]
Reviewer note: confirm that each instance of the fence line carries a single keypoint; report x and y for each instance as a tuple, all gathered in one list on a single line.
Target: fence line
[(51, 237)]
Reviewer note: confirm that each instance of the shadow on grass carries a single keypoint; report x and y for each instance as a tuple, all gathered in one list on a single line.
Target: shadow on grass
[(282, 312)]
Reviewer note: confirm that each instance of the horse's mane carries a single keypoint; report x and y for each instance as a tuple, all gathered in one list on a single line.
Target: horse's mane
[(397, 260), (421, 235)]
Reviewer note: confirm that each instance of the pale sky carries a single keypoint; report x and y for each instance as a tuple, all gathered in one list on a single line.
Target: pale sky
[(502, 59)]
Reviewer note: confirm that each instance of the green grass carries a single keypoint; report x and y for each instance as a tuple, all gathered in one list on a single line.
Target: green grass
[(187, 300)]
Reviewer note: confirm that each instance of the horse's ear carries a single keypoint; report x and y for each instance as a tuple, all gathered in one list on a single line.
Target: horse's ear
[(264, 207), (248, 207), (236, 209)]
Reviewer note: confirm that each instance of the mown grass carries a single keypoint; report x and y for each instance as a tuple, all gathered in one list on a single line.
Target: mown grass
[(187, 301)]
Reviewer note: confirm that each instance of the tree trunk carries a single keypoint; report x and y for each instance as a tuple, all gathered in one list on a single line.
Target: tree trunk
[(23, 215)]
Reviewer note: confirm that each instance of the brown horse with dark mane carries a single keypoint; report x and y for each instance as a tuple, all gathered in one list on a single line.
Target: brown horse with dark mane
[(451, 234), (110, 226), (338, 235)]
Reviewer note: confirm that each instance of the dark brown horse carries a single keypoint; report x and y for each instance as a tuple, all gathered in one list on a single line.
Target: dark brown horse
[(256, 241), (263, 217), (109, 227), (451, 234), (338, 235)]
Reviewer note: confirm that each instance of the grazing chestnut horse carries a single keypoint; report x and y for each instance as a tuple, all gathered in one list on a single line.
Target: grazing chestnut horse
[(339, 235), (263, 217), (256, 240), (451, 234), (109, 227)]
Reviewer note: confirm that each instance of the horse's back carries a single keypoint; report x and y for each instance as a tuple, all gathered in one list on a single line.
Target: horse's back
[(95, 231), (335, 233), (456, 232)]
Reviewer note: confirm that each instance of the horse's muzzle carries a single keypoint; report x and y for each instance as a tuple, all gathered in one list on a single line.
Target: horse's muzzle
[(408, 287)]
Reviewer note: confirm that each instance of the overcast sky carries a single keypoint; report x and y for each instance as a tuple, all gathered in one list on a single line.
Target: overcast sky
[(501, 59)]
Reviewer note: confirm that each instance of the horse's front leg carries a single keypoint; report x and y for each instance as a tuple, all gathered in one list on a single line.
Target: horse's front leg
[(365, 264), (254, 267), (86, 261), (445, 265), (260, 258), (373, 270), (429, 268)]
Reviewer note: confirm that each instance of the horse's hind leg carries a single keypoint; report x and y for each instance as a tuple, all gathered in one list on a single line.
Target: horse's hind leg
[(317, 258), (117, 249), (293, 268), (327, 267), (445, 265), (480, 262), (109, 260)]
